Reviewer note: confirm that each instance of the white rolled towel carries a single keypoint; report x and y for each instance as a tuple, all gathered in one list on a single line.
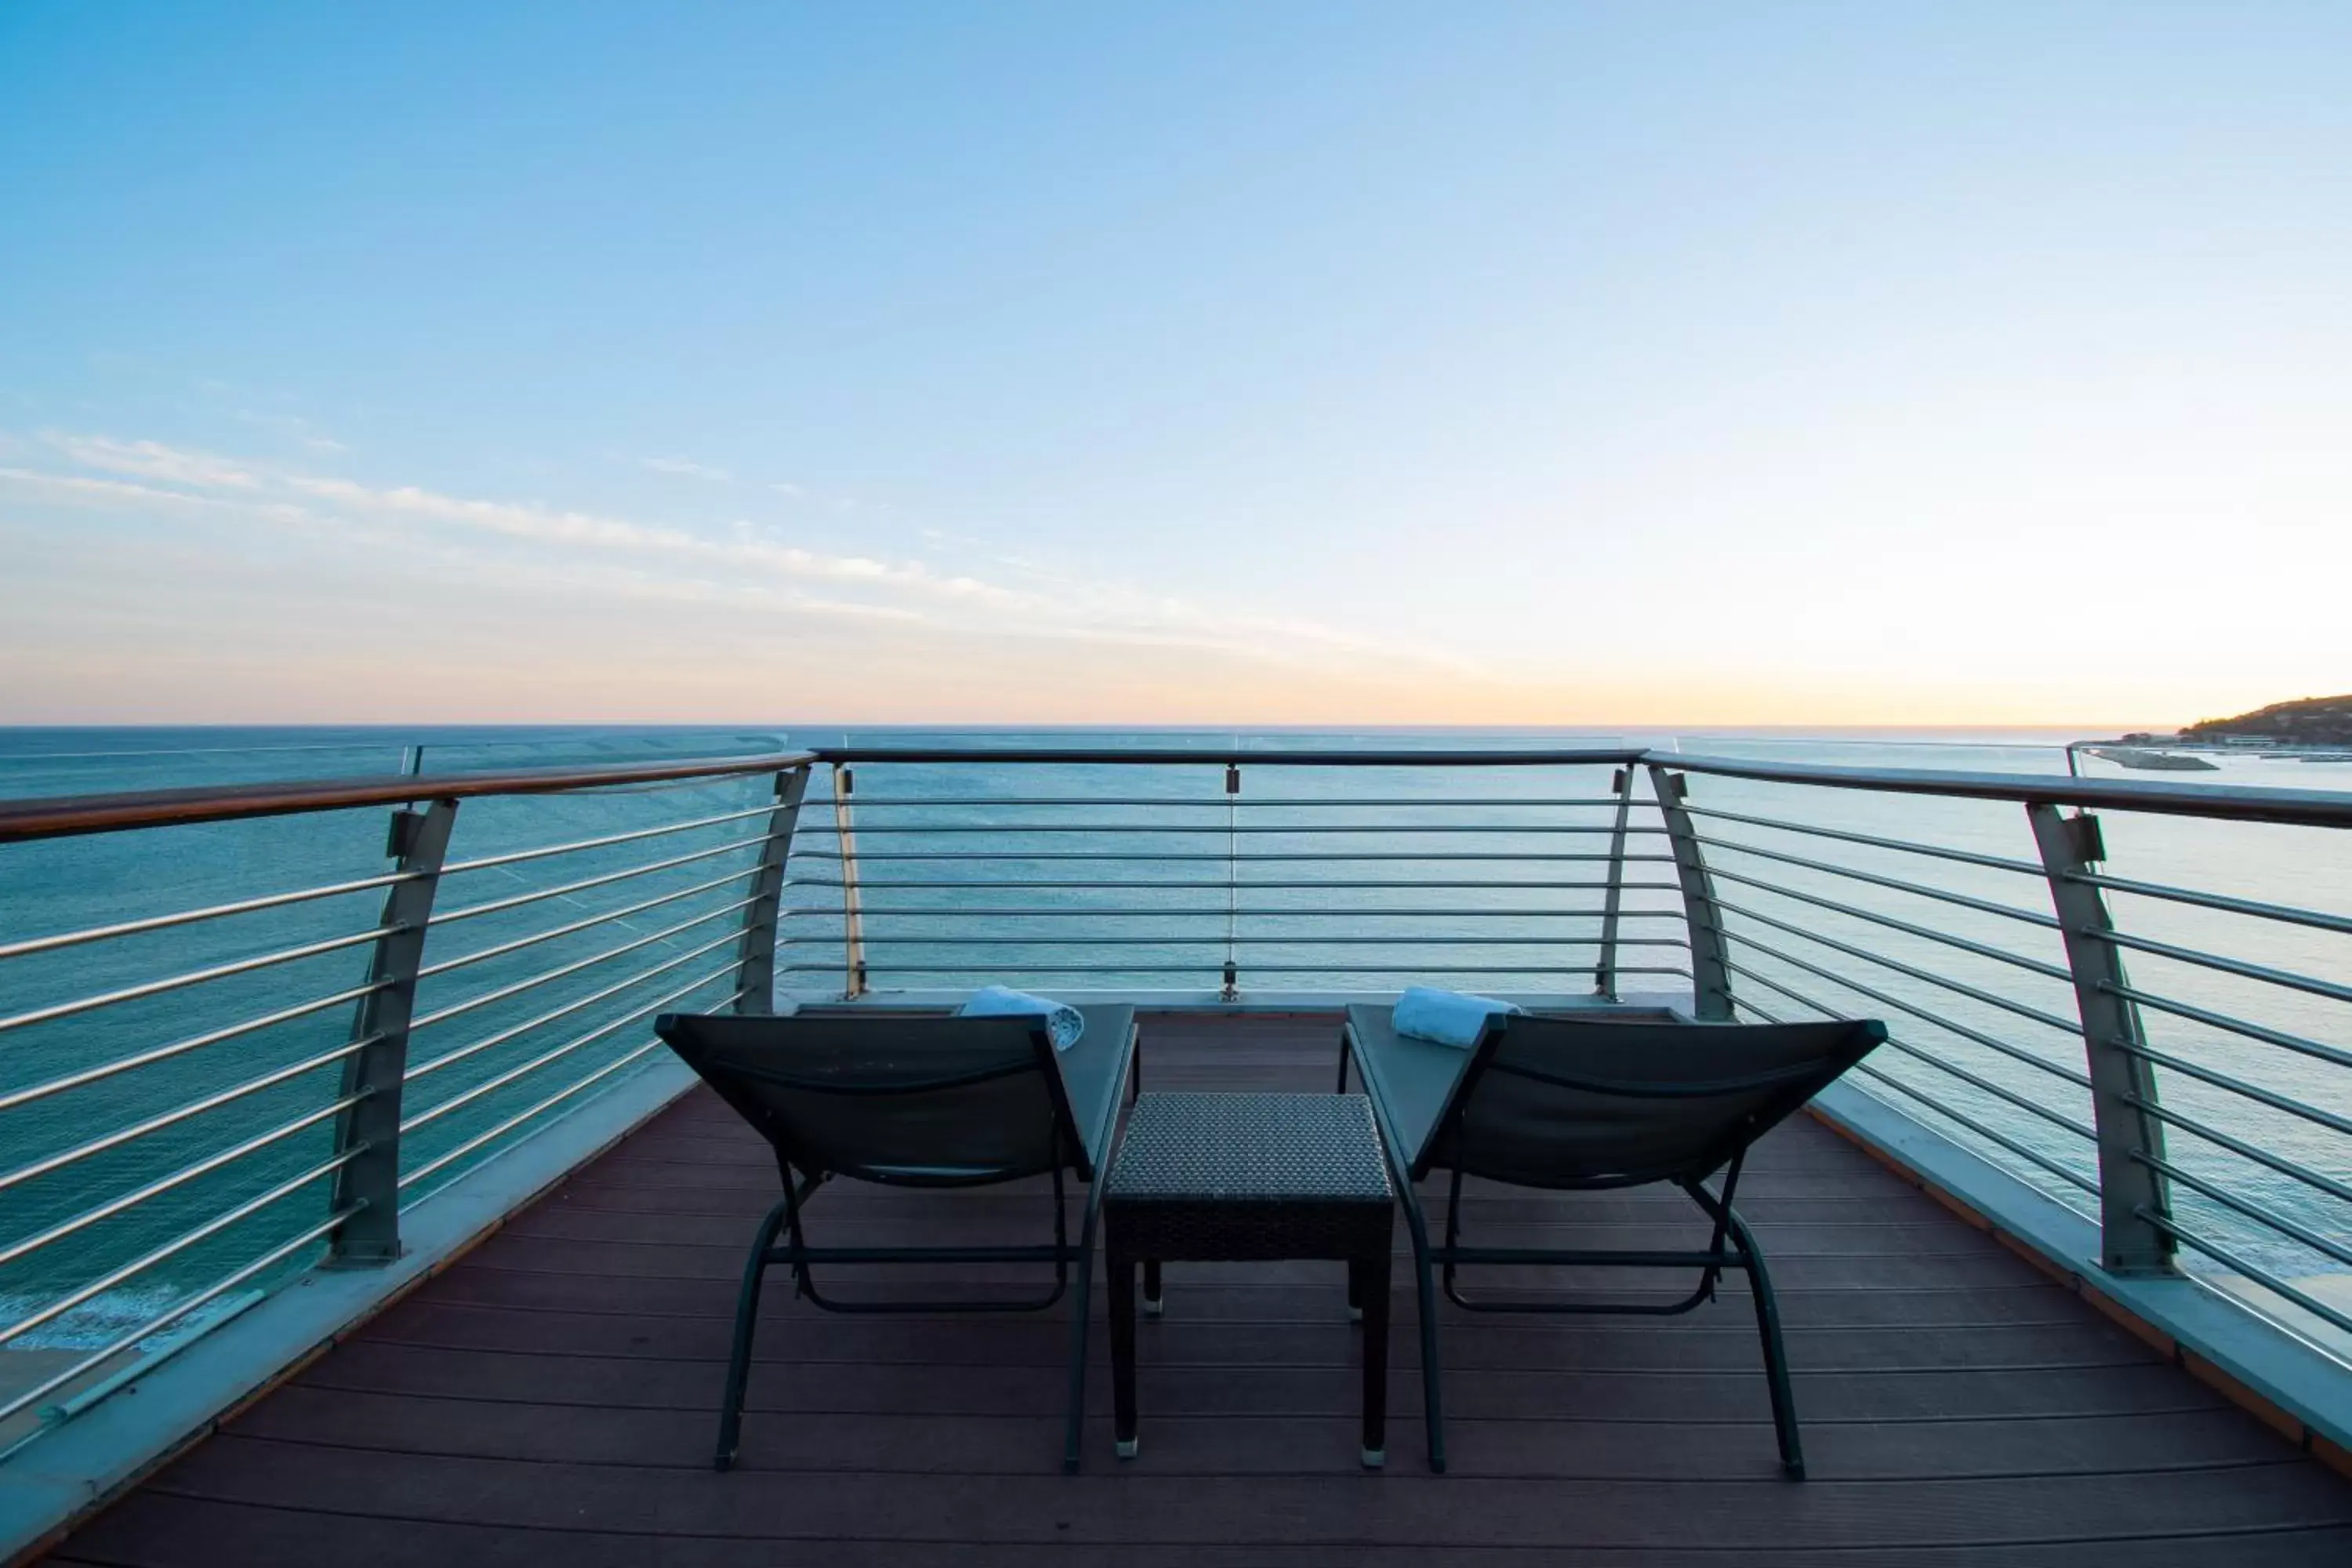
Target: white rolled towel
[(1063, 1022), (1448, 1017)]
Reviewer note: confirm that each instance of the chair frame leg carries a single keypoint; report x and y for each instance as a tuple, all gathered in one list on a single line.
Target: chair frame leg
[(1776, 1355), (1433, 1377), (1081, 1315), (1367, 1279), (747, 1322), (1732, 1246), (796, 1254)]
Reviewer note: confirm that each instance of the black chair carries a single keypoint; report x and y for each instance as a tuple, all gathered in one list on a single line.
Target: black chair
[(1576, 1104), (915, 1100)]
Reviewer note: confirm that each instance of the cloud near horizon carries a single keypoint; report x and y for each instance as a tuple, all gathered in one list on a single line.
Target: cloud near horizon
[(890, 636)]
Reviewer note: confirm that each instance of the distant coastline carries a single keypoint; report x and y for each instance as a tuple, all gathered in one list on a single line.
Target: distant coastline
[(2305, 722), (2315, 729)]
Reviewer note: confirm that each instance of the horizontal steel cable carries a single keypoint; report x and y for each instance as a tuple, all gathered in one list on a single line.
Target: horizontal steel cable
[(2002, 1140), (488, 1086), (178, 1309), (511, 1122), (179, 1113), (188, 917), (519, 899), (42, 1091), (193, 977), (185, 1173), (1964, 856), (487, 1042), (1999, 1091), (1963, 901), (1989, 1042), (607, 917), (2285, 912), (2035, 965), (515, 988), (1958, 988), (178, 1245), (516, 856)]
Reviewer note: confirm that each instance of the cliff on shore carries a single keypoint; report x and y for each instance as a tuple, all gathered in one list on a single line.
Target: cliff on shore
[(2305, 722)]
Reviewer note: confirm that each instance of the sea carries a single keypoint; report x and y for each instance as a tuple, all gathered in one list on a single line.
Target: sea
[(1477, 877)]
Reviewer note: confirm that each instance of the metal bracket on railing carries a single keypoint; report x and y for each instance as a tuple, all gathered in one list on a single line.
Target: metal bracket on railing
[(1710, 972), (756, 979), (418, 841), (1604, 968), (853, 931), (2131, 1141)]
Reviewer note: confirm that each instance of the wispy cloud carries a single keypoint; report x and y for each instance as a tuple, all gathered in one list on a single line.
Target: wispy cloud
[(150, 460), (743, 565), (83, 488), (686, 467)]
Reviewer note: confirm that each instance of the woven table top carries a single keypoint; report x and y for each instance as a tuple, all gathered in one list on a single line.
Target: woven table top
[(1250, 1148)]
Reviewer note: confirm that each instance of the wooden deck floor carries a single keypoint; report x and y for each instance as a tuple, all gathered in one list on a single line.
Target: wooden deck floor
[(549, 1400)]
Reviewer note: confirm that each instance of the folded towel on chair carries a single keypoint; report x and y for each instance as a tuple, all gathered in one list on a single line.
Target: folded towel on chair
[(1449, 1017), (1063, 1022)]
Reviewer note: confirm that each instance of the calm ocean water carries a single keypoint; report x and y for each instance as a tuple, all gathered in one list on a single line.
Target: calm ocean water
[(1271, 922)]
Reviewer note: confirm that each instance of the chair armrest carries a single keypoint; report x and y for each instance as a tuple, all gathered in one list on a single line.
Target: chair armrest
[(1094, 1077), (1410, 1081)]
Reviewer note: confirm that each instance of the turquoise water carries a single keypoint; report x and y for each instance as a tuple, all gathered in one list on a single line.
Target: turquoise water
[(1274, 919)]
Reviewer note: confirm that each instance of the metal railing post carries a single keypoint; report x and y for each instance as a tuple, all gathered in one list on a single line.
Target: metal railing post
[(419, 841), (1604, 967), (1710, 976), (2123, 1083), (1231, 991), (755, 981), (853, 931)]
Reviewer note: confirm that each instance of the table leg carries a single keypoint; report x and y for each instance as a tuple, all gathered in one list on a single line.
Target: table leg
[(1152, 1303), (1370, 1278), (1120, 1270)]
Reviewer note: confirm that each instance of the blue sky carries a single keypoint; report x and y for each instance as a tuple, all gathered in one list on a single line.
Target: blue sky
[(1279, 363)]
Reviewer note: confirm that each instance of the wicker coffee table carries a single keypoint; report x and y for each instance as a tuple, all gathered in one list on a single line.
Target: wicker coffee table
[(1215, 1177)]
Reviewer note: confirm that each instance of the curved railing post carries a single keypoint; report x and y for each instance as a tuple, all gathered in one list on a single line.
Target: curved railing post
[(419, 840), (1710, 976), (853, 931), (2123, 1083), (755, 980), (1604, 967)]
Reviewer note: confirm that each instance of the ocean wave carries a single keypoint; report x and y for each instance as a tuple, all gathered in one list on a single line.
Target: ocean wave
[(102, 1319)]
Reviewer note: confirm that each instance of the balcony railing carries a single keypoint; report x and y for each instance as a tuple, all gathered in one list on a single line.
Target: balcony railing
[(171, 1143), (2126, 993)]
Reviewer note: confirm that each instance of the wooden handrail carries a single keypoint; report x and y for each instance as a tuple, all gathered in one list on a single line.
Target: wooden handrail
[(65, 815)]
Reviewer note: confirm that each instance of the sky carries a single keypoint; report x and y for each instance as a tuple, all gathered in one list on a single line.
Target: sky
[(1549, 364)]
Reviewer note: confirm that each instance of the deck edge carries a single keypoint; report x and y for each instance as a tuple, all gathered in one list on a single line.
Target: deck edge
[(58, 1482), (2295, 1389)]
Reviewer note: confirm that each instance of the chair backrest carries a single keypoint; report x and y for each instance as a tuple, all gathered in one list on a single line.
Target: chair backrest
[(1555, 1102), (919, 1100)]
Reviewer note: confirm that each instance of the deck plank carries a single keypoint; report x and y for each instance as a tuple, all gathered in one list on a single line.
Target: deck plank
[(153, 1532), (552, 1392)]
